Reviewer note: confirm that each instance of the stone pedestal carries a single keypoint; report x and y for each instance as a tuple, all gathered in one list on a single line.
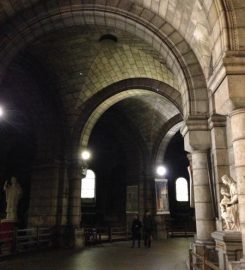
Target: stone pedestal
[(229, 247), (200, 247), (79, 238), (161, 226), (206, 249), (7, 225), (7, 228)]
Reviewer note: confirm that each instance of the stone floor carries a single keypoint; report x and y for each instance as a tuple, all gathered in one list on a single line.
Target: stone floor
[(169, 254)]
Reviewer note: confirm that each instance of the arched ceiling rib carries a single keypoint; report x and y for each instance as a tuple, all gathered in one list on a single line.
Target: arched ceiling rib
[(146, 110), (169, 129), (148, 113), (147, 93)]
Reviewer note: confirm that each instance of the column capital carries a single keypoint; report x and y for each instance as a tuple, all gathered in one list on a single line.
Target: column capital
[(230, 94), (232, 63), (194, 122), (238, 111), (216, 120), (196, 133), (238, 125), (47, 164), (76, 168), (75, 162)]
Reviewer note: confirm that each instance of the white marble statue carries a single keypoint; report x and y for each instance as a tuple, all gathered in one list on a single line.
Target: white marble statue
[(13, 194), (229, 204), (226, 213)]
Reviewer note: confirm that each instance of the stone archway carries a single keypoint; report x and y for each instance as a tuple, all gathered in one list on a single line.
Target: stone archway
[(94, 108), (178, 55), (184, 71)]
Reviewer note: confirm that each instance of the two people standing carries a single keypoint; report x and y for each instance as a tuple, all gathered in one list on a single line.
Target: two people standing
[(147, 230)]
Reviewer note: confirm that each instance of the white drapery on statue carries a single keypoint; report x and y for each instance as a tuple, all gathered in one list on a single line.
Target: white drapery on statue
[(13, 192)]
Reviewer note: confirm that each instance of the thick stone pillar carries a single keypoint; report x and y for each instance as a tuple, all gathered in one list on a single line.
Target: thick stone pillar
[(203, 205), (149, 192), (74, 204), (227, 88), (197, 142), (219, 152), (141, 199), (238, 140), (44, 195), (74, 236)]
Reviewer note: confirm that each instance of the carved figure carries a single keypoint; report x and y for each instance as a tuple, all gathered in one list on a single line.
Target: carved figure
[(229, 204), (13, 194), (225, 210)]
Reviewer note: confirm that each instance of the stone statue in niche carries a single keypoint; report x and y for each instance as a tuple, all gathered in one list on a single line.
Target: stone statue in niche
[(225, 210), (229, 204), (13, 192)]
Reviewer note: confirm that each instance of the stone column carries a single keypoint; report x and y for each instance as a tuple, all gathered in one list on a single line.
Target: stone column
[(141, 199), (197, 142), (217, 125), (227, 87), (238, 139), (148, 192), (74, 204), (73, 234), (203, 205), (44, 195)]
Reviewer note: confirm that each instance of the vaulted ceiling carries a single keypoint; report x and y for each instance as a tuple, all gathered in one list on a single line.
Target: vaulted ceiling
[(62, 63)]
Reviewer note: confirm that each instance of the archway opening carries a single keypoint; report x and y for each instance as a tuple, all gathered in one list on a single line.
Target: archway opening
[(182, 215)]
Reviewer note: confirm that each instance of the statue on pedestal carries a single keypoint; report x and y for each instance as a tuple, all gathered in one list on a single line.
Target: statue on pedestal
[(13, 192), (226, 213), (229, 204)]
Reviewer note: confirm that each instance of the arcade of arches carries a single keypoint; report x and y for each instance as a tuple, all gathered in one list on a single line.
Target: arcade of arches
[(138, 83)]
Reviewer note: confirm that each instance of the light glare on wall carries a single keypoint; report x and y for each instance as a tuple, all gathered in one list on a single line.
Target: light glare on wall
[(1, 111), (161, 170), (86, 155)]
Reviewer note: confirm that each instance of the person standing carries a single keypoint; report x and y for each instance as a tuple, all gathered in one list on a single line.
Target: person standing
[(148, 229), (136, 231)]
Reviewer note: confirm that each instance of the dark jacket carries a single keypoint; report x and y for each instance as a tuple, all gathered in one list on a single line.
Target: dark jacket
[(136, 226), (148, 224)]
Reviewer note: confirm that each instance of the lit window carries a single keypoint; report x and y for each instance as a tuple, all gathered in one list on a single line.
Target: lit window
[(181, 190), (88, 186)]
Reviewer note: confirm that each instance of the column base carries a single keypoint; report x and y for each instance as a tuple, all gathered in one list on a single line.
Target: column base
[(202, 245), (237, 265), (161, 227), (69, 237), (205, 249), (229, 247), (9, 221)]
